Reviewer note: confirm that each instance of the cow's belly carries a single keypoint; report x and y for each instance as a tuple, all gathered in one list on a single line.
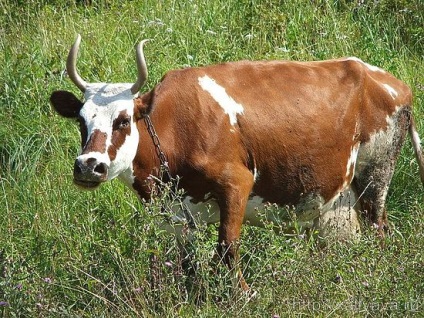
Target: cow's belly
[(207, 212), (336, 216)]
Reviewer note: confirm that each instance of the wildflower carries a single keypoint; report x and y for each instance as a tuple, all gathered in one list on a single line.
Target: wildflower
[(4, 304), (168, 263), (137, 290), (47, 280), (210, 32), (283, 49), (156, 22)]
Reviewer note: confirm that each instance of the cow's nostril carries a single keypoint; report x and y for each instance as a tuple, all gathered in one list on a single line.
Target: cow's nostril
[(101, 168)]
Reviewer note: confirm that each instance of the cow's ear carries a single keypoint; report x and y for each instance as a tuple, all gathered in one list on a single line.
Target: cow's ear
[(66, 104), (142, 105)]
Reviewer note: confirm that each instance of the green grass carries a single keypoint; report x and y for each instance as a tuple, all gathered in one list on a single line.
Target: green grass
[(67, 253)]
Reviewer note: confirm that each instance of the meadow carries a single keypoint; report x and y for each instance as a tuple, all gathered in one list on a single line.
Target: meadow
[(69, 253)]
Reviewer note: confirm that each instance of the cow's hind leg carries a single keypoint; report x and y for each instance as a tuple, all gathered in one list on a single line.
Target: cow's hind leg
[(375, 166)]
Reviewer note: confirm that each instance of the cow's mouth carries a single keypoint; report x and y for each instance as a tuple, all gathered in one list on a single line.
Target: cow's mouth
[(87, 185)]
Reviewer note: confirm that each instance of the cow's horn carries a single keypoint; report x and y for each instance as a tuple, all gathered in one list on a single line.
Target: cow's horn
[(71, 66), (141, 68)]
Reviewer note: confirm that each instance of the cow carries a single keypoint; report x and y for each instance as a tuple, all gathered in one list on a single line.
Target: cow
[(320, 137)]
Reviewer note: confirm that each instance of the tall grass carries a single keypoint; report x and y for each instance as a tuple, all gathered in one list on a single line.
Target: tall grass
[(67, 253)]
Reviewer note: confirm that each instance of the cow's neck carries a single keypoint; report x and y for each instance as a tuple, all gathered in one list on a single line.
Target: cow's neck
[(147, 165)]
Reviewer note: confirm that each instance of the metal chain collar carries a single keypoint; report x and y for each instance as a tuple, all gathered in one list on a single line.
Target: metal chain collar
[(164, 167), (161, 155)]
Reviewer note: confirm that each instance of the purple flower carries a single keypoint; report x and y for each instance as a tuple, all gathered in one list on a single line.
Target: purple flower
[(47, 280), (4, 304)]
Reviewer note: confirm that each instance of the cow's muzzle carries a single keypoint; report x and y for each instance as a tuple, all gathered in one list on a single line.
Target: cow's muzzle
[(89, 173)]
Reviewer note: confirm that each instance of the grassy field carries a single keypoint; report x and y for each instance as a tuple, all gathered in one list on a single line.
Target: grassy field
[(68, 253)]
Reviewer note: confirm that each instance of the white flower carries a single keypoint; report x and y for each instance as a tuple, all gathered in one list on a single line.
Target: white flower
[(156, 22), (282, 49)]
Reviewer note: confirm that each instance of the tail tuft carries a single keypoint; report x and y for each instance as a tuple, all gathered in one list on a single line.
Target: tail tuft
[(416, 144)]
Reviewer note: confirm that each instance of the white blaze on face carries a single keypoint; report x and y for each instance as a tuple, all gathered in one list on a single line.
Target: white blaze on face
[(103, 105), (218, 93)]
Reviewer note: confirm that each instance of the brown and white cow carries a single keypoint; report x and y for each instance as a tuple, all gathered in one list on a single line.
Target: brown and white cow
[(322, 137)]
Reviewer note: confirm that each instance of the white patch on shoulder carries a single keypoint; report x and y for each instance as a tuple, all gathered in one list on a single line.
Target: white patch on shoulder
[(391, 90), (218, 93), (369, 66)]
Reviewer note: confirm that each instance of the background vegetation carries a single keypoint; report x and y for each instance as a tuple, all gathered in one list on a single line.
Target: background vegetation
[(67, 253)]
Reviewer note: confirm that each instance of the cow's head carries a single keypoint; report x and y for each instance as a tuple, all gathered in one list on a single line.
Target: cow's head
[(109, 136)]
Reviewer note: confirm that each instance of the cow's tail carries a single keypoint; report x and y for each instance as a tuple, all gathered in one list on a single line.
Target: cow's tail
[(416, 144)]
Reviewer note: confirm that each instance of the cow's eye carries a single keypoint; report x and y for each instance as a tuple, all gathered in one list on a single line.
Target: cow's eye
[(124, 123)]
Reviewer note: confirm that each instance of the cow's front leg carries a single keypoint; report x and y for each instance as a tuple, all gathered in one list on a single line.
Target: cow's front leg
[(234, 194)]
